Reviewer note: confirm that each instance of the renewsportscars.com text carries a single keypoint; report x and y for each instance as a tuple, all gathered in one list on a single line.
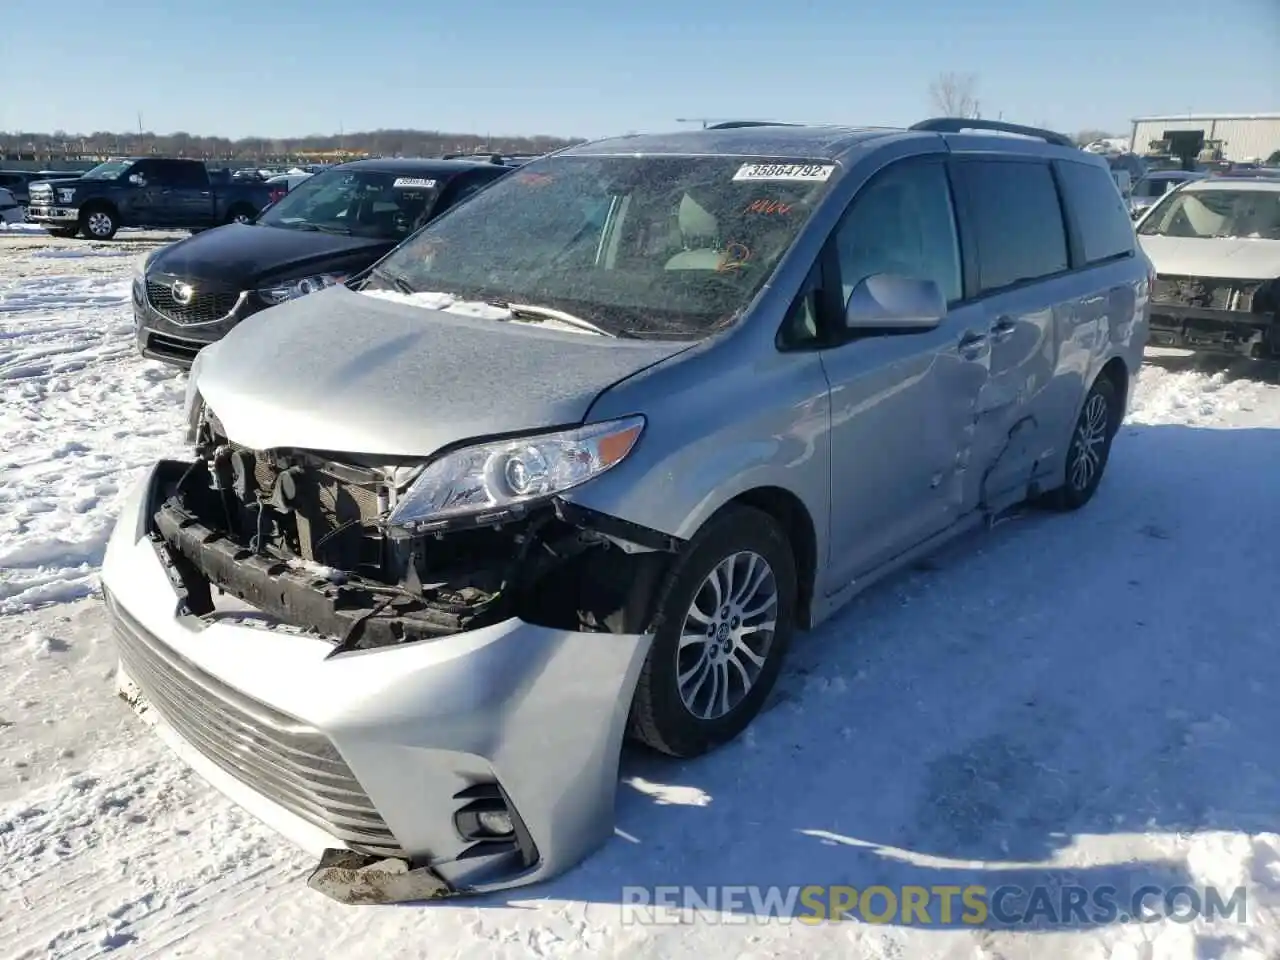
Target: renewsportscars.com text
[(940, 905)]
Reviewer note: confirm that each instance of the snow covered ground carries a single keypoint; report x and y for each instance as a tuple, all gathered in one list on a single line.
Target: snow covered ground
[(1077, 700)]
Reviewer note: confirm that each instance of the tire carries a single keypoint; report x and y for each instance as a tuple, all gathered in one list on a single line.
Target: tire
[(240, 215), (99, 223), (738, 540), (1089, 447)]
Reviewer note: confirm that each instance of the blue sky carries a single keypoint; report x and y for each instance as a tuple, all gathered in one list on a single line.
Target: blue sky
[(568, 67)]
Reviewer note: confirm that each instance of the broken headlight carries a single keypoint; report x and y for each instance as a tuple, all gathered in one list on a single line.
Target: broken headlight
[(496, 477)]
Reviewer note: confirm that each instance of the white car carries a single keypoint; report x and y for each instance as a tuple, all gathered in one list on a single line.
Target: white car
[(290, 180), (1215, 244), (10, 210), (1155, 185)]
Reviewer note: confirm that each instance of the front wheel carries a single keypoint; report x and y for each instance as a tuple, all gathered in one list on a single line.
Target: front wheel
[(98, 224), (1089, 447), (722, 624)]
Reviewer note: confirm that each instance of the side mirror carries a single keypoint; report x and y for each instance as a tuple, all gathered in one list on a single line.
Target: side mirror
[(890, 303), (137, 179)]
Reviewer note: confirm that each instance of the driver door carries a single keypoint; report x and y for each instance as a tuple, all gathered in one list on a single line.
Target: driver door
[(141, 201), (902, 404)]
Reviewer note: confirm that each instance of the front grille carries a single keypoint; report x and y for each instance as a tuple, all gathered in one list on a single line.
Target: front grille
[(1209, 293), (204, 306), (280, 757)]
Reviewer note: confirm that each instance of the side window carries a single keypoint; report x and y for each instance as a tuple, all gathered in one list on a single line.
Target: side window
[(1098, 209), (461, 191), (148, 170), (1017, 221), (162, 174), (902, 222), (189, 175)]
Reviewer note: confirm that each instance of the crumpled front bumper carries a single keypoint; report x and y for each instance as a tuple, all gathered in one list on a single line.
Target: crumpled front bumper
[(381, 751), (1211, 330)]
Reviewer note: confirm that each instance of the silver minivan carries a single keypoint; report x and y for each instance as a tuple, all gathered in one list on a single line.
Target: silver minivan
[(576, 460)]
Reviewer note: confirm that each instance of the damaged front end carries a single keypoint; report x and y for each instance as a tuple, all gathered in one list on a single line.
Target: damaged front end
[(1215, 315), (307, 539)]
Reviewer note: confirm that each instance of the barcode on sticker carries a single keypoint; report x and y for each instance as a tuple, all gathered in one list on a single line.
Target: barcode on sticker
[(784, 171), (406, 182)]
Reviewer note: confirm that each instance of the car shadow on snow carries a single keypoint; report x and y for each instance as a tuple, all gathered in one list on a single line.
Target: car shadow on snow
[(1047, 703)]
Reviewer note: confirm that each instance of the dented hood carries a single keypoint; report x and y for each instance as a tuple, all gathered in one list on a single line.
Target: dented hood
[(341, 371), (1221, 258)]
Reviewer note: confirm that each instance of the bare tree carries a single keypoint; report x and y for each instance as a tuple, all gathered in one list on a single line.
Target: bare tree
[(955, 95)]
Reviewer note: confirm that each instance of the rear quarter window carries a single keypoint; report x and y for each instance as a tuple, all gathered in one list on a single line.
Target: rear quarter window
[(1106, 230), (1016, 220)]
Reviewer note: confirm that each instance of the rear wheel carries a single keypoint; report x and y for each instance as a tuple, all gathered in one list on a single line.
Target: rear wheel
[(722, 624), (240, 215), (1089, 447)]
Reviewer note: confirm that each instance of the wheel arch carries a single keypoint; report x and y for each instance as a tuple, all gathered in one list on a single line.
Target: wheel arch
[(240, 206), (1117, 371), (796, 521), (103, 204)]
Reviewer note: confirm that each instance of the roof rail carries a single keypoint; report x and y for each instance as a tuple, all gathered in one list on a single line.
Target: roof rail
[(959, 124), (736, 124)]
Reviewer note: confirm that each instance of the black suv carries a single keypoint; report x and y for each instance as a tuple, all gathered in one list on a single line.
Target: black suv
[(331, 226)]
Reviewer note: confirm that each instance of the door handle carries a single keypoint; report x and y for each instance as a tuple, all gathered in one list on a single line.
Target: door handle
[(1003, 329), (972, 344)]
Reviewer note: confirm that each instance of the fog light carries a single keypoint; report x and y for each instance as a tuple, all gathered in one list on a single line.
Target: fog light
[(495, 822)]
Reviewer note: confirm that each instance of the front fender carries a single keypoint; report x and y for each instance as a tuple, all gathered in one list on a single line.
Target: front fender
[(715, 431)]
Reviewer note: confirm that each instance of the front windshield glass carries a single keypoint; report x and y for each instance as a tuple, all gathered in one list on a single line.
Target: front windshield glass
[(359, 203), (647, 246), (107, 171), (1209, 214)]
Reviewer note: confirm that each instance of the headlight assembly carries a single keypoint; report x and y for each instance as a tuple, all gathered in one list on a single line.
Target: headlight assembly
[(290, 289), (502, 476), (193, 403)]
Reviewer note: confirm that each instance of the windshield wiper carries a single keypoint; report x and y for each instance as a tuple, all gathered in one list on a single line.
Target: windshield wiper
[(549, 313), (396, 280)]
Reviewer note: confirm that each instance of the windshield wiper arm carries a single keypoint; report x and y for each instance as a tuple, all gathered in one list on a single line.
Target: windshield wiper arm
[(549, 313), (399, 282)]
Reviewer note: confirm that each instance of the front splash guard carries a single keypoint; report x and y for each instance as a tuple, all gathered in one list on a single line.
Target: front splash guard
[(358, 879)]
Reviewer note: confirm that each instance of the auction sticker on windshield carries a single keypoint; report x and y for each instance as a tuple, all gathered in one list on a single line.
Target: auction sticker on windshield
[(405, 182), (784, 171)]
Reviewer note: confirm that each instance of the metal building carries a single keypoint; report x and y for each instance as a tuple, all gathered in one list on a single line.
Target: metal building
[(1239, 137)]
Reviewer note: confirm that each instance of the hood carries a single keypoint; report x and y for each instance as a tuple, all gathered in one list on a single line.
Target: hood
[(55, 184), (1225, 259), (340, 371), (241, 256)]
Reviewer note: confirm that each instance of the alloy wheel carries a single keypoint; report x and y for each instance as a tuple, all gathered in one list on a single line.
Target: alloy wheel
[(1090, 441), (726, 635)]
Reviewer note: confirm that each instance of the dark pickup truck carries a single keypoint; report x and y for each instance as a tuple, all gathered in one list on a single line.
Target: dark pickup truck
[(146, 192)]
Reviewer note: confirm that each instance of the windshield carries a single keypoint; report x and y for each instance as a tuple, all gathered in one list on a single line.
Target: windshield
[(1208, 214), (107, 171), (645, 246), (361, 203)]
